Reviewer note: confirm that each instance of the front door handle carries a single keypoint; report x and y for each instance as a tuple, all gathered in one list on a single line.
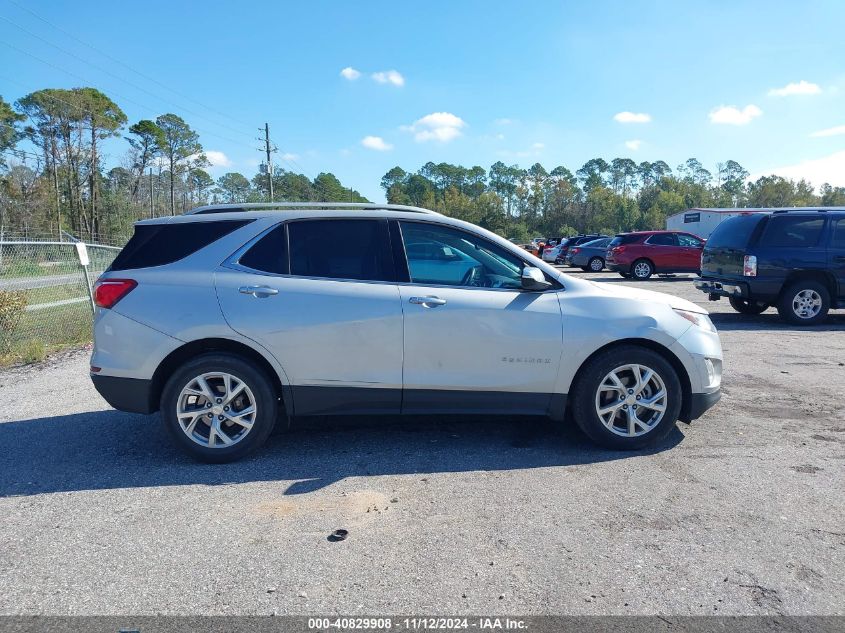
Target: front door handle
[(258, 291), (428, 302)]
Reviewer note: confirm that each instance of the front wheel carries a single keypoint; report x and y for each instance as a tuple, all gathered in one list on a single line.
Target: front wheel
[(218, 407), (746, 306), (627, 397), (804, 302)]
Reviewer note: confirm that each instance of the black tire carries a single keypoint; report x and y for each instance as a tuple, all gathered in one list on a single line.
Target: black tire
[(590, 377), (746, 306), (596, 264), (258, 383), (789, 295), (646, 269), (625, 275), (586, 269)]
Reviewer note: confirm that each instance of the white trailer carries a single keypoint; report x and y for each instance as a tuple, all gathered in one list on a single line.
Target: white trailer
[(703, 222)]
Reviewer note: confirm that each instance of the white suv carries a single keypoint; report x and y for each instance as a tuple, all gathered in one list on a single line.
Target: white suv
[(230, 316)]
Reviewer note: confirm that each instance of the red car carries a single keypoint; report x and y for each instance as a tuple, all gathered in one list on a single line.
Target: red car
[(641, 254)]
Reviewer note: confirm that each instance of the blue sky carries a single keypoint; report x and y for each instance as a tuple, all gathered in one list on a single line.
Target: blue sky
[(762, 83)]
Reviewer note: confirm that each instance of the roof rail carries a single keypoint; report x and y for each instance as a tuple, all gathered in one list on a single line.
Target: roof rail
[(256, 206)]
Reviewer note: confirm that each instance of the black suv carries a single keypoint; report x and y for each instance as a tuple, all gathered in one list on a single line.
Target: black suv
[(575, 240), (794, 260)]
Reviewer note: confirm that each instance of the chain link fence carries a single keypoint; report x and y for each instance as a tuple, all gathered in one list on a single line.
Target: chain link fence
[(44, 296)]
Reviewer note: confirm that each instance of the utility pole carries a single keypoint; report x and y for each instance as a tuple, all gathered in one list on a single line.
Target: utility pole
[(151, 192), (269, 163)]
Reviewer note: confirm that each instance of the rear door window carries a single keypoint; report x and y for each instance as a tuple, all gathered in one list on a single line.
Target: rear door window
[(160, 244), (792, 232), (341, 249), (837, 240), (734, 232), (269, 254), (661, 239)]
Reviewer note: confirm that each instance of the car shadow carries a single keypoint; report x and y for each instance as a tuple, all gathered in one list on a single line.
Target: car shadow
[(109, 449), (770, 320)]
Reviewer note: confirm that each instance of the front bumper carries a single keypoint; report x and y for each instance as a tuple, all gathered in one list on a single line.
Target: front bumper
[(126, 394), (699, 403)]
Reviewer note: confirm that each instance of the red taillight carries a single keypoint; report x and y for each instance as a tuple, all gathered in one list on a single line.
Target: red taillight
[(575, 250), (618, 249), (108, 292)]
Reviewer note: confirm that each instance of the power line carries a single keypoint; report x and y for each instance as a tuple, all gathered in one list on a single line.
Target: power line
[(125, 65)]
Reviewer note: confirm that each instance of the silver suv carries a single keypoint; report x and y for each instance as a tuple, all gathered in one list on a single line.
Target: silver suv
[(231, 316)]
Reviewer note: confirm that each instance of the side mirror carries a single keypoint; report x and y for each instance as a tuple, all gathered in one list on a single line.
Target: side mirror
[(533, 279)]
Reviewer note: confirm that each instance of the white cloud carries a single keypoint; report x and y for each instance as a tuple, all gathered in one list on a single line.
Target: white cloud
[(437, 126), (796, 88), (350, 73), (831, 131), (538, 146), (731, 115), (633, 144), (289, 156), (389, 77), (500, 137), (377, 143), (216, 158), (632, 117), (830, 169)]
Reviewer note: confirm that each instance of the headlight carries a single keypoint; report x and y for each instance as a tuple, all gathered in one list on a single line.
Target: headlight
[(701, 320)]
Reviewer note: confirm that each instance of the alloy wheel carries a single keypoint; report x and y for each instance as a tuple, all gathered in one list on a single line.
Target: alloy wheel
[(631, 400), (642, 270), (806, 304), (216, 410), (596, 264)]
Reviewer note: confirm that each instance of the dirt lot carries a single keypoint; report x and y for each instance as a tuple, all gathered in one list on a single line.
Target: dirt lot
[(743, 512)]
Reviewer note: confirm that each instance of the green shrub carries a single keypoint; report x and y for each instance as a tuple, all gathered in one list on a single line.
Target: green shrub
[(12, 308)]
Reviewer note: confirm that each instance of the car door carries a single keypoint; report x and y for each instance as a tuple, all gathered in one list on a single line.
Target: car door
[(836, 252), (690, 248), (662, 249), (480, 344), (331, 317)]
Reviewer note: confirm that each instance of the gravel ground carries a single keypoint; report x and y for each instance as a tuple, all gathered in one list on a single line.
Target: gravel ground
[(740, 513)]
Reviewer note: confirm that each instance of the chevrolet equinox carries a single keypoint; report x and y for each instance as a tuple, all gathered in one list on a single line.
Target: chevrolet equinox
[(232, 317)]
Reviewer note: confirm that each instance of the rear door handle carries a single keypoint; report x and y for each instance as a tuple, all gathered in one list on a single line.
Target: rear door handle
[(428, 302), (258, 291)]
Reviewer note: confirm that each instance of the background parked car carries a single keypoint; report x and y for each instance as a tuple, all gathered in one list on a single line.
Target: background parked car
[(588, 256), (575, 240), (792, 260), (551, 254), (643, 253)]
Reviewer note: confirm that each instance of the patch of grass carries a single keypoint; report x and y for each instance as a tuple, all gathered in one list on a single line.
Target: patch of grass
[(57, 293)]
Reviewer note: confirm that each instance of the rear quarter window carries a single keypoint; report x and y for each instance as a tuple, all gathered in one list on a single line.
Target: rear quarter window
[(621, 240), (797, 231), (161, 244)]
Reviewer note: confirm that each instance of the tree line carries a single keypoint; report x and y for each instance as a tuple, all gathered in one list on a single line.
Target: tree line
[(601, 196), (61, 184)]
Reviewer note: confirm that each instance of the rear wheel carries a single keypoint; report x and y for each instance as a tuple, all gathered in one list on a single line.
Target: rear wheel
[(219, 408), (804, 302), (627, 397), (596, 264), (746, 306), (642, 269)]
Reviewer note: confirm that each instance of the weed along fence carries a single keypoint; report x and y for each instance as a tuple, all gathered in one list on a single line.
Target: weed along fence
[(45, 300)]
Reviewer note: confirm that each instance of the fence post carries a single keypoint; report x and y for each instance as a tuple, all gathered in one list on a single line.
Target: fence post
[(84, 261)]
